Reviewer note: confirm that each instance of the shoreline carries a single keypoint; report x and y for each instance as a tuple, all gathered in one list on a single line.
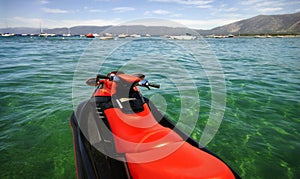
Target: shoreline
[(163, 36)]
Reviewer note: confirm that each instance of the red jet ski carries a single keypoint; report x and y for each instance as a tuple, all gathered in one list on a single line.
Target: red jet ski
[(118, 133)]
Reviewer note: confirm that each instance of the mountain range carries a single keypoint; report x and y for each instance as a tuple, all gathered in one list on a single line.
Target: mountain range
[(271, 24), (261, 24)]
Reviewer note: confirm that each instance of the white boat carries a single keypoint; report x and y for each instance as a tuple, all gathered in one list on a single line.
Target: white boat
[(263, 36), (219, 36), (7, 35), (268, 36), (42, 34), (68, 34), (135, 35), (182, 37), (258, 36), (46, 35), (122, 35), (106, 38)]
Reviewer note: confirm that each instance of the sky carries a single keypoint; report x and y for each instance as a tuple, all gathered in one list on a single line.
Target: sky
[(196, 14)]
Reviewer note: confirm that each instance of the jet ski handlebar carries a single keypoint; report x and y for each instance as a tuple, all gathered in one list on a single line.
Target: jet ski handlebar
[(99, 76), (145, 83), (142, 82)]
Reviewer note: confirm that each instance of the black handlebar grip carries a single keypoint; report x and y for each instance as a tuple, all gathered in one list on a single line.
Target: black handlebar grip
[(102, 76), (154, 85)]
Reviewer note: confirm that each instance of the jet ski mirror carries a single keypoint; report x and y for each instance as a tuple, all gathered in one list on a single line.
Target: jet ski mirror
[(91, 82), (139, 75)]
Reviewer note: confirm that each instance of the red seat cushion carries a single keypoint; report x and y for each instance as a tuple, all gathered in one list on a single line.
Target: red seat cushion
[(153, 151), (177, 160), (138, 132)]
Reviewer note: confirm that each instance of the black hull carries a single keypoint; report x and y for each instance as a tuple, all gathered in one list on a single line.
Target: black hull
[(91, 163)]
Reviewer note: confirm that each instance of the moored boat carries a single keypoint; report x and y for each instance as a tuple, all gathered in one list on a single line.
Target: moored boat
[(7, 35), (183, 37), (90, 35), (46, 35), (106, 38), (67, 34), (123, 35)]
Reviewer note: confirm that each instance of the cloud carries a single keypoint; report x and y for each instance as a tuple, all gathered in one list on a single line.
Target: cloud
[(269, 10), (54, 11), (206, 6), (92, 10), (21, 22), (203, 4), (153, 22), (206, 24), (44, 2), (123, 9), (50, 23), (266, 6), (161, 12), (232, 9), (198, 3), (250, 2), (96, 22), (96, 10)]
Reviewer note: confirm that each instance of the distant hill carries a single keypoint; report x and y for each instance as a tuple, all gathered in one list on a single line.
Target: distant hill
[(153, 30), (271, 24), (20, 30), (262, 24), (128, 29), (77, 30)]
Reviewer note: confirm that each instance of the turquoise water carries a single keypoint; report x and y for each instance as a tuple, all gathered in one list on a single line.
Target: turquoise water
[(258, 137)]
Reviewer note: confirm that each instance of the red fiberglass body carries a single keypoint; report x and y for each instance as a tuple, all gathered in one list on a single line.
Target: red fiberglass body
[(142, 142)]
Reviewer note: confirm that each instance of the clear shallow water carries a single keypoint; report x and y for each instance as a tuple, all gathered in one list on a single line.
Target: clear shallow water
[(259, 135)]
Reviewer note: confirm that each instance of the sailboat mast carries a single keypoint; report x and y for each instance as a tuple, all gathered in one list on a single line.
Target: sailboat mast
[(41, 30)]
